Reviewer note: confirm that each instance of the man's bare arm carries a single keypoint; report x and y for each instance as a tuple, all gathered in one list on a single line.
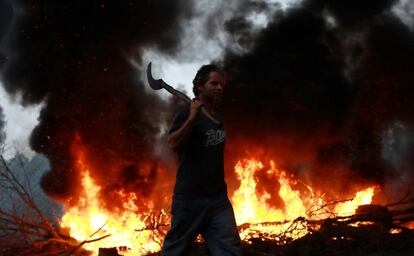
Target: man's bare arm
[(178, 138)]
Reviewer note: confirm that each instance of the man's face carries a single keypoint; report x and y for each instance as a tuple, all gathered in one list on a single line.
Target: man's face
[(213, 88)]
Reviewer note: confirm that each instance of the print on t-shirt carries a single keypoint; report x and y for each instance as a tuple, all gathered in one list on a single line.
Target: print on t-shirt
[(215, 137)]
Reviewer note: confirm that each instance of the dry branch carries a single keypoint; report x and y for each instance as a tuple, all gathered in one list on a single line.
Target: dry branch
[(31, 232)]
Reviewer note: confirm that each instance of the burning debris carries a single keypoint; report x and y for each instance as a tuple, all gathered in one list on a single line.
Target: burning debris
[(372, 230), (303, 214), (303, 218)]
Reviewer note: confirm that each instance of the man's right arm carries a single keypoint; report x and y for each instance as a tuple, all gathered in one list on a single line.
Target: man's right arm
[(179, 137)]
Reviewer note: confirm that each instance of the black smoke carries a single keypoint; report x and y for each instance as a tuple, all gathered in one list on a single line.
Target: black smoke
[(318, 86), (6, 14), (73, 56)]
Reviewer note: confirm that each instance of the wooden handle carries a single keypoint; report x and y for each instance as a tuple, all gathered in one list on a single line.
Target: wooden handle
[(205, 112)]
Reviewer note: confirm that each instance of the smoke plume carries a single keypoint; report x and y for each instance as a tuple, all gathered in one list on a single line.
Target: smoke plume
[(319, 86), (6, 13), (72, 55)]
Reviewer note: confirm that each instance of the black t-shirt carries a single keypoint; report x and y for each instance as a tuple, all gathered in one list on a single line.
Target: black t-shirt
[(201, 167)]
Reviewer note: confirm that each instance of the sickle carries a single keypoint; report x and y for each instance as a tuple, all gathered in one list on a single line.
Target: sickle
[(159, 84)]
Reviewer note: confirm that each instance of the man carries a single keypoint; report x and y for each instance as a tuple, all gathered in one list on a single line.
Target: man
[(200, 204)]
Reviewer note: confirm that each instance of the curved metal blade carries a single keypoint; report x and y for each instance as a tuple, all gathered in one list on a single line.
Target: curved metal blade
[(159, 84), (154, 84)]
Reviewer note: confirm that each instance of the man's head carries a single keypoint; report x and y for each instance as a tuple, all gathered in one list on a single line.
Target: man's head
[(209, 81)]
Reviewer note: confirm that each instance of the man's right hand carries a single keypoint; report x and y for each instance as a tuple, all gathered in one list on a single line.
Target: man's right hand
[(195, 107)]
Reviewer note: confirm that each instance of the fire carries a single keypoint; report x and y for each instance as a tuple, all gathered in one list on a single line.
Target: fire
[(89, 220), (251, 208), (360, 198)]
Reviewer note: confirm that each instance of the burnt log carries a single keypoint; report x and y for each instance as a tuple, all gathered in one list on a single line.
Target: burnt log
[(379, 214), (108, 252)]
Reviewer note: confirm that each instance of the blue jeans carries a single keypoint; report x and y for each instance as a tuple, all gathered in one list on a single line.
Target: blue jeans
[(212, 217)]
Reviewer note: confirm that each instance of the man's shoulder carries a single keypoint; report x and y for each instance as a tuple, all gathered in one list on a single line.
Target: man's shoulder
[(183, 109), (181, 115)]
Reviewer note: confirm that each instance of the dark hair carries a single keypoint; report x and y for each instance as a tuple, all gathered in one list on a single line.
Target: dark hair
[(202, 76)]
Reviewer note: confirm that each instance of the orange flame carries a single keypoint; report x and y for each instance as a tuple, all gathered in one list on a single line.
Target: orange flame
[(251, 208), (360, 198), (89, 220)]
